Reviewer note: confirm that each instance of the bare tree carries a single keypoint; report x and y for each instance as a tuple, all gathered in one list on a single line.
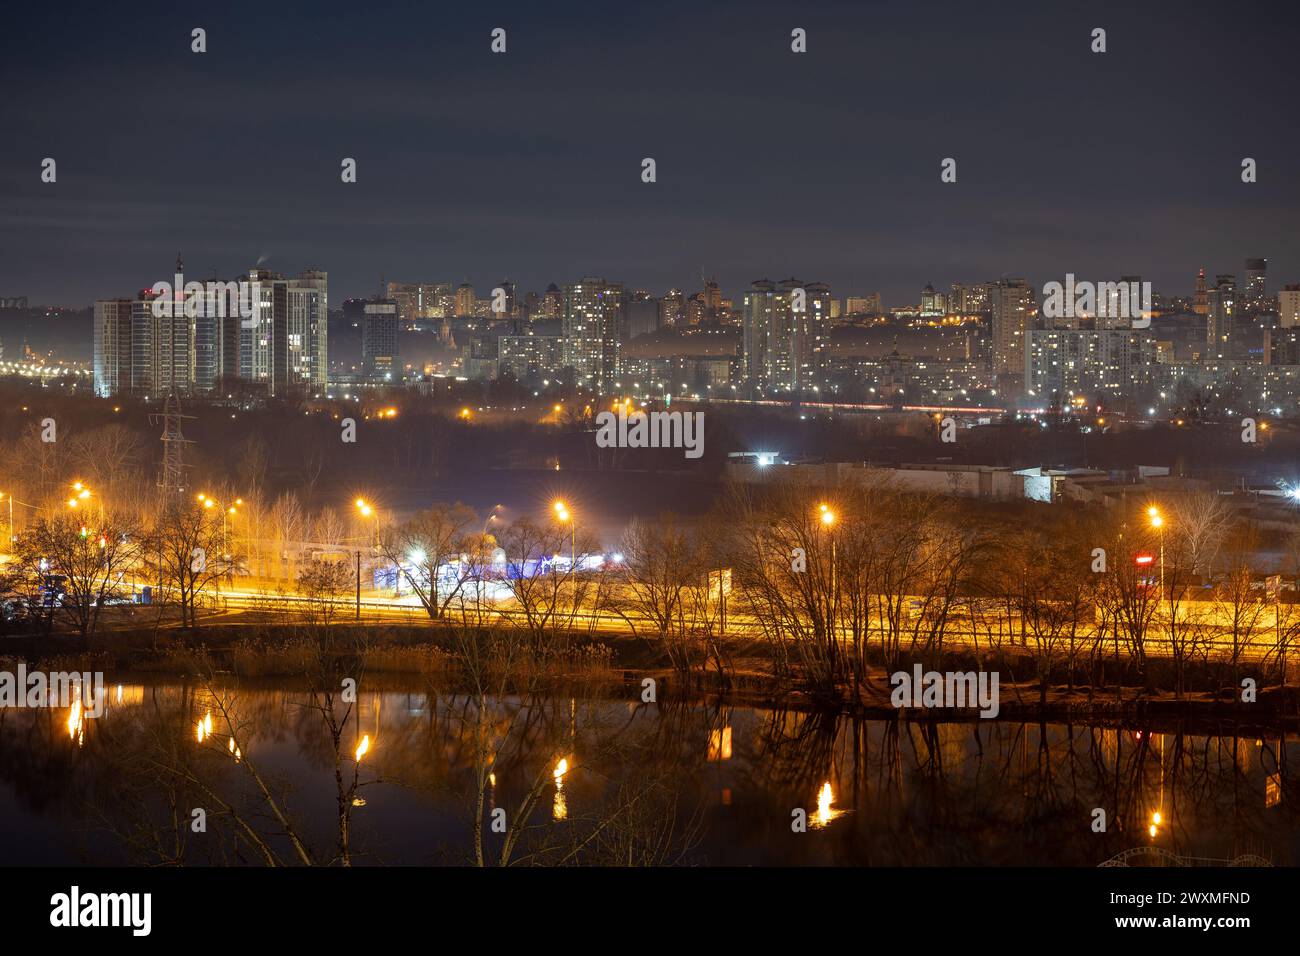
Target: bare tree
[(546, 597), (665, 573), (323, 583), (1200, 524), (92, 559), (187, 545), (424, 545)]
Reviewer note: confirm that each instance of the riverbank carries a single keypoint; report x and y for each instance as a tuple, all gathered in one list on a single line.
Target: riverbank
[(396, 656)]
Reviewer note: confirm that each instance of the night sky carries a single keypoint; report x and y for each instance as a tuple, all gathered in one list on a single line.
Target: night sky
[(527, 165)]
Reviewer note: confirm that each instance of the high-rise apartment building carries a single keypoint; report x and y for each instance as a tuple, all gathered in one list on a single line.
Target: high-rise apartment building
[(284, 344), (975, 299), (672, 308), (1011, 304), (593, 330), (1256, 299), (1288, 307), (1221, 313), (1113, 361), (642, 314), (511, 306), (112, 346), (552, 305), (863, 304), (264, 329), (418, 300), (785, 333), (465, 301), (380, 319), (933, 303)]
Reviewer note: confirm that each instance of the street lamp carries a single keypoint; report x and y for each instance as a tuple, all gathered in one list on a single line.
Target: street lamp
[(209, 503), (563, 516), (1158, 522), (828, 522), (366, 511)]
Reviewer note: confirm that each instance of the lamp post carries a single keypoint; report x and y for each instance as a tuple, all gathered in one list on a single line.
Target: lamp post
[(828, 522), (209, 503), (1158, 522), (564, 516), (366, 511), (233, 511), (80, 496)]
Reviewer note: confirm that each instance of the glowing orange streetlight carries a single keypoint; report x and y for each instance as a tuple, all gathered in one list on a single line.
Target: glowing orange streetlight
[(1158, 522), (80, 493), (563, 516), (366, 511), (828, 522)]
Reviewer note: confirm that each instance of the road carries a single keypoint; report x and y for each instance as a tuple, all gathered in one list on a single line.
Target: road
[(960, 633)]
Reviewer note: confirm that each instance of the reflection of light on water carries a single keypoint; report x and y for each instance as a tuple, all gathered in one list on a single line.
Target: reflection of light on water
[(560, 808), (235, 751), (1273, 790), (824, 801), (720, 744), (77, 723), (826, 811), (203, 729)]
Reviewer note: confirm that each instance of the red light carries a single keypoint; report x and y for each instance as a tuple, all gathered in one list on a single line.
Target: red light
[(1144, 559)]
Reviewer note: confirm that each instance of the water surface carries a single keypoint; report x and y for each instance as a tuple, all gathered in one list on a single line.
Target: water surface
[(602, 781)]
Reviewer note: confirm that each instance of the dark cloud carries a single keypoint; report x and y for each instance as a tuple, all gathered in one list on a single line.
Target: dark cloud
[(477, 166)]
